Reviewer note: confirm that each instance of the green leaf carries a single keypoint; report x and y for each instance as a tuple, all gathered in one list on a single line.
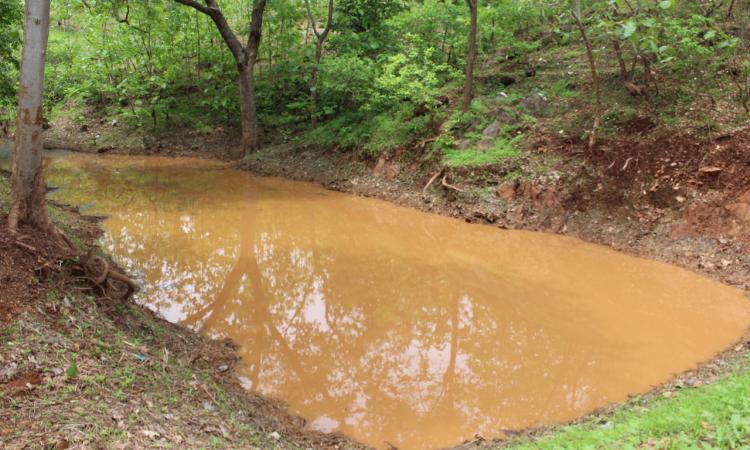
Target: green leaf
[(73, 368), (628, 29), (666, 4)]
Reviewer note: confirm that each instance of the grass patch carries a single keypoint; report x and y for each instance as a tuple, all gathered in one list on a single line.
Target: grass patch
[(708, 417), (502, 150)]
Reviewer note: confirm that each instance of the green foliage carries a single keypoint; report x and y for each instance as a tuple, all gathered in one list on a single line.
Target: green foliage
[(501, 150), (11, 17), (72, 371)]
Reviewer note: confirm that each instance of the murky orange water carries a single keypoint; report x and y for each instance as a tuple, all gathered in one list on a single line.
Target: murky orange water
[(391, 325)]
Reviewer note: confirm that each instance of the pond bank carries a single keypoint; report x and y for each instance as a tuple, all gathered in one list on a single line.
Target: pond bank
[(81, 371), (599, 222)]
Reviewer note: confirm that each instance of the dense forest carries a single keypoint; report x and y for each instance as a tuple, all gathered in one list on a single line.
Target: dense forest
[(570, 269), (379, 75)]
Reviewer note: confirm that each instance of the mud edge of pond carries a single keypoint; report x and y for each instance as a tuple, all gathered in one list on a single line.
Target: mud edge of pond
[(199, 355), (537, 206)]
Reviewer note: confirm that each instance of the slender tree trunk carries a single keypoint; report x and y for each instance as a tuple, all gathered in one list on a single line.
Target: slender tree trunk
[(594, 74), (321, 40), (28, 188), (471, 57), (314, 85)]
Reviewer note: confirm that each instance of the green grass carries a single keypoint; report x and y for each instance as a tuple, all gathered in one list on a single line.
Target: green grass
[(473, 157), (715, 416)]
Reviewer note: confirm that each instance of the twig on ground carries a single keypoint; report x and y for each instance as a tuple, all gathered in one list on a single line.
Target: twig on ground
[(449, 186)]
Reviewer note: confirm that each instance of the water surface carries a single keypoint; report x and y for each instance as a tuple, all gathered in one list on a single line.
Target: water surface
[(388, 324)]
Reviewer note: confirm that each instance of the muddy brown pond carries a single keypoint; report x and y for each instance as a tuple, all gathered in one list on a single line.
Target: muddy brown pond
[(391, 325)]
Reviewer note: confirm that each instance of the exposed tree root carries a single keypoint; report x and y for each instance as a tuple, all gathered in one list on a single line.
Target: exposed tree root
[(432, 180), (98, 271), (445, 184)]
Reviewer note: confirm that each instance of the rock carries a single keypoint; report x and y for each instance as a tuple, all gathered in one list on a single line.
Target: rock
[(463, 144), (275, 435), (710, 170), (492, 130), (208, 406), (506, 191), (115, 123), (223, 368), (535, 104), (380, 168), (392, 171), (485, 144), (505, 116)]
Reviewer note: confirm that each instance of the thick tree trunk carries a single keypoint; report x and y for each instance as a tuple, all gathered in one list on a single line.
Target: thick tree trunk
[(471, 57), (28, 188), (248, 115)]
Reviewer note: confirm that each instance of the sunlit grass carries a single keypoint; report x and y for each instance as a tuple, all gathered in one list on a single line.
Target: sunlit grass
[(715, 416), (503, 149)]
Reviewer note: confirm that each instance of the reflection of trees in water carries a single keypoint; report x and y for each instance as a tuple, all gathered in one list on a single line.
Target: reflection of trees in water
[(379, 338), (316, 333)]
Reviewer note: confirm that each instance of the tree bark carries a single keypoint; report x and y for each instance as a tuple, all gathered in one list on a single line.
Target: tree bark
[(471, 56), (28, 204), (248, 114), (321, 39), (245, 57), (594, 73)]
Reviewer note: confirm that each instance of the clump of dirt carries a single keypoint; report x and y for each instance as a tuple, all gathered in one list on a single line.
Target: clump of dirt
[(18, 268)]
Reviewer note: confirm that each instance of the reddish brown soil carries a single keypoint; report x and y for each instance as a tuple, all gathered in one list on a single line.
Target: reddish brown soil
[(19, 286)]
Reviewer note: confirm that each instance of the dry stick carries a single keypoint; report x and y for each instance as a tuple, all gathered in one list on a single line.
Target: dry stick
[(432, 180), (445, 184)]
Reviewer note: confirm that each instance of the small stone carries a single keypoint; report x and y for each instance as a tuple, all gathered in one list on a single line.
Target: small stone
[(680, 199), (535, 104), (485, 144), (208, 406), (57, 371), (492, 130), (275, 435), (223, 368)]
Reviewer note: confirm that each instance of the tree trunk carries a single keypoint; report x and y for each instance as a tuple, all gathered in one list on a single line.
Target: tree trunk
[(245, 57), (594, 74), (248, 115), (321, 40), (314, 85), (28, 188), (471, 57)]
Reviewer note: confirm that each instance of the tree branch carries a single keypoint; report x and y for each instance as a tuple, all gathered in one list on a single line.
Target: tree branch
[(211, 9)]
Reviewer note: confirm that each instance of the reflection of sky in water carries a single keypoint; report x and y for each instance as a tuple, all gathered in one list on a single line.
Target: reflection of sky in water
[(389, 324)]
